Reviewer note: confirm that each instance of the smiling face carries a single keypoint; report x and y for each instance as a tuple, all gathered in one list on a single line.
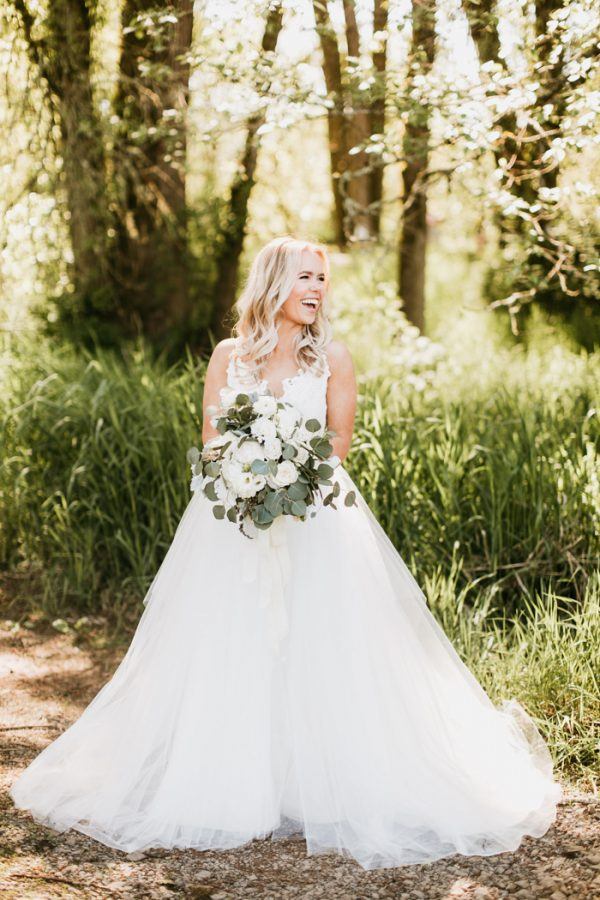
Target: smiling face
[(308, 291)]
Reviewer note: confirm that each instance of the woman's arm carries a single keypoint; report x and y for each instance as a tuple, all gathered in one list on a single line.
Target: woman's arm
[(216, 378), (341, 398)]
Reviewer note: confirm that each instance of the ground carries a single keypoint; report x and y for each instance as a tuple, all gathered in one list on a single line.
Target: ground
[(48, 678)]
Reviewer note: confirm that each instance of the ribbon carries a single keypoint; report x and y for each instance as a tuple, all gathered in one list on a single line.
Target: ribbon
[(267, 561)]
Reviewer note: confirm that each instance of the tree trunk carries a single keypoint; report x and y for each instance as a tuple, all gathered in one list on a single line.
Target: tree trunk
[(356, 177), (152, 261), (380, 18), (336, 121), (232, 237), (413, 240), (61, 51)]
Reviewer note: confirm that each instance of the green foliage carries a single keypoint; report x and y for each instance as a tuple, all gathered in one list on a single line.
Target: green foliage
[(547, 656), (94, 478)]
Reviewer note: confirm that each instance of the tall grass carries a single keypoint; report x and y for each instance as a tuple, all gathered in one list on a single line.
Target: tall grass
[(94, 475), (547, 655)]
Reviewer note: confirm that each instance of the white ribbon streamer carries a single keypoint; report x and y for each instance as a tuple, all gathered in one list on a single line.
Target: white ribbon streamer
[(267, 561)]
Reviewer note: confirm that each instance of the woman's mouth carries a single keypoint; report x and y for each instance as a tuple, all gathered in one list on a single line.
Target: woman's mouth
[(310, 303)]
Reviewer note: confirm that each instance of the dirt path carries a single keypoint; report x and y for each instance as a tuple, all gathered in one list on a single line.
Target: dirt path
[(46, 681)]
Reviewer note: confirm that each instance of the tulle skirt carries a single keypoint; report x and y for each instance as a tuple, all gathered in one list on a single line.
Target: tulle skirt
[(295, 683)]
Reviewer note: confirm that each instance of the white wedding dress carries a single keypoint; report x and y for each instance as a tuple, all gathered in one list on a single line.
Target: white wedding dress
[(295, 683)]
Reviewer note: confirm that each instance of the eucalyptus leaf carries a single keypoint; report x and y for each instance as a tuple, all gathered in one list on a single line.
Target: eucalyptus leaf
[(312, 425), (212, 469), (336, 488), (350, 499), (274, 503), (288, 452), (197, 468), (193, 455), (298, 508), (261, 515), (232, 514), (209, 490), (297, 490), (324, 471), (218, 512), (242, 399), (259, 467)]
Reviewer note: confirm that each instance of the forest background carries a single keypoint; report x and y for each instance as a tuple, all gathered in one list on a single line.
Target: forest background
[(447, 153)]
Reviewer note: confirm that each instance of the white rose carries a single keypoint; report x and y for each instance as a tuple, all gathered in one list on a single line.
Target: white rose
[(286, 474), (250, 484), (231, 472), (302, 454), (249, 451), (272, 448), (263, 429), (265, 406), (286, 420), (227, 396)]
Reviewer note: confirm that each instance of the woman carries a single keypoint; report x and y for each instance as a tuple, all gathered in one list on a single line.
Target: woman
[(296, 683)]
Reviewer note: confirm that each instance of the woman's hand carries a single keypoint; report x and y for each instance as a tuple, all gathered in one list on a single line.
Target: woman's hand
[(341, 398)]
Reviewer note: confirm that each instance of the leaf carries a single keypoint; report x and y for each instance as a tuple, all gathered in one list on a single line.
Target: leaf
[(259, 467), (232, 514), (321, 447), (288, 452), (336, 489), (261, 515), (193, 455), (212, 469), (324, 471), (197, 468), (209, 490), (298, 508), (222, 426), (274, 503), (297, 490), (62, 626), (312, 425), (350, 499), (264, 525), (218, 512), (242, 399)]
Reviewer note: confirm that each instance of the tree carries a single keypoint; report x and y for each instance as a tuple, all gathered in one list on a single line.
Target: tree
[(59, 47), (355, 116), (413, 236), (231, 238), (151, 258)]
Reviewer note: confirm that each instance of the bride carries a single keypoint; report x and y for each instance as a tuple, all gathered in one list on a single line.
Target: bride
[(295, 683)]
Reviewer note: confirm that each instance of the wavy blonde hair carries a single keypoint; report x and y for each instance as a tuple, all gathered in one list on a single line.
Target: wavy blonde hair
[(270, 282)]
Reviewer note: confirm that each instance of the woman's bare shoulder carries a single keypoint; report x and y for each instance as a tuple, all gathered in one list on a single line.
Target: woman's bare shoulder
[(221, 353), (339, 357)]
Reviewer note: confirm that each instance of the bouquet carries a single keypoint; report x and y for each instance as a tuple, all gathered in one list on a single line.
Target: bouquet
[(267, 462)]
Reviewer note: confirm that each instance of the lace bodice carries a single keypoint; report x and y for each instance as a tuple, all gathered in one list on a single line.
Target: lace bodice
[(306, 390)]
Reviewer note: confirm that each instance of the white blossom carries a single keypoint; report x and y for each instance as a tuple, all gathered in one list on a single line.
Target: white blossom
[(263, 429), (286, 474), (265, 406)]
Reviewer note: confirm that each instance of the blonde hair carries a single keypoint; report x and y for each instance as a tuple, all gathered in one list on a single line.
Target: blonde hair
[(270, 282)]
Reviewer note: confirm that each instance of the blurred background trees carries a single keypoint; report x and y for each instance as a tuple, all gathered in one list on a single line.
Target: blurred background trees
[(160, 142)]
